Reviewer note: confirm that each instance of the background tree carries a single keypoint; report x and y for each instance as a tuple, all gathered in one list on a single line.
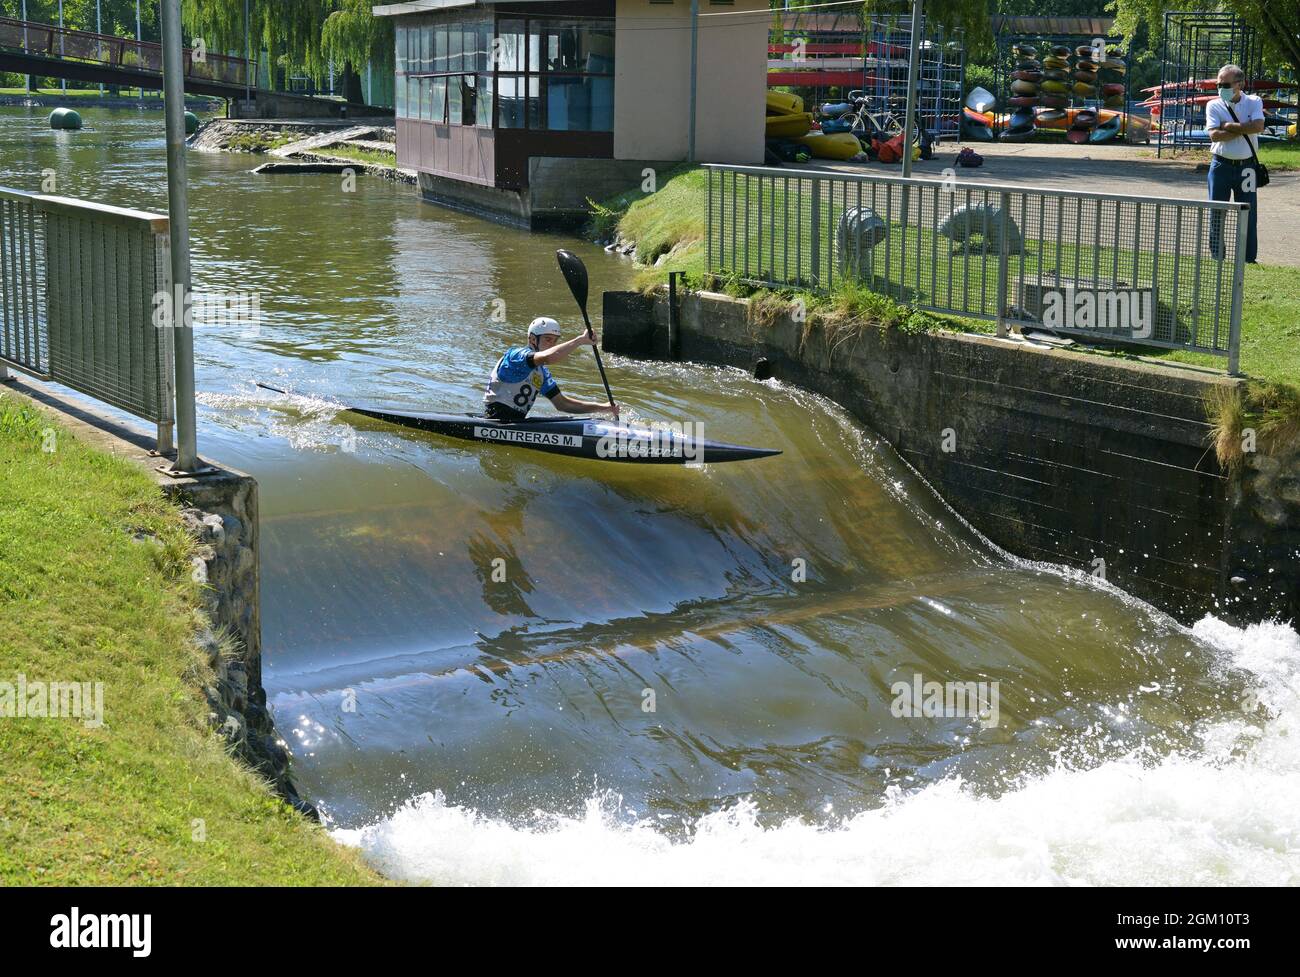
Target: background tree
[(1278, 23)]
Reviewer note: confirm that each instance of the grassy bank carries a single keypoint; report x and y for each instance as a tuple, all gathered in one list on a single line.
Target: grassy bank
[(94, 587), (373, 157), (672, 222)]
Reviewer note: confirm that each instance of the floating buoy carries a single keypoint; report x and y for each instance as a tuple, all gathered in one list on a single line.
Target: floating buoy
[(191, 123), (65, 119)]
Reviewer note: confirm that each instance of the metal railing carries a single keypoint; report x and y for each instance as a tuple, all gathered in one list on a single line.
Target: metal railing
[(79, 285), (47, 40), (1144, 270)]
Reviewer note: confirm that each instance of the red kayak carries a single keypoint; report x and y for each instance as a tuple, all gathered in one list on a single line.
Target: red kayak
[(1210, 84), (1154, 103)]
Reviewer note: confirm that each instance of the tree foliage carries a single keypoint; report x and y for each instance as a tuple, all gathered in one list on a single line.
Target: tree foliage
[(1275, 20)]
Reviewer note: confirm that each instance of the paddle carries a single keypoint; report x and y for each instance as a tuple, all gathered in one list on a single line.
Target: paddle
[(575, 273)]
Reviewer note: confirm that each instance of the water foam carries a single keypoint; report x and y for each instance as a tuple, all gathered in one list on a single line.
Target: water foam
[(1228, 815)]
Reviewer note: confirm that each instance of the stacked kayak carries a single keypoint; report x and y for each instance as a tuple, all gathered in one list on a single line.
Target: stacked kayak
[(1028, 81), (831, 145), (786, 118)]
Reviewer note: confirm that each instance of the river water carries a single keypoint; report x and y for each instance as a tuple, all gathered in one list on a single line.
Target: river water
[(497, 666)]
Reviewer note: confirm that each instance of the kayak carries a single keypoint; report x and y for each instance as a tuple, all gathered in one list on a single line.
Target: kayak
[(834, 145), (575, 436), (1210, 84), (788, 126)]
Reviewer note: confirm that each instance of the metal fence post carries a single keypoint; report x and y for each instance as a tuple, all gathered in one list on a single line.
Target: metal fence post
[(815, 241), (187, 459), (1004, 233), (1238, 287)]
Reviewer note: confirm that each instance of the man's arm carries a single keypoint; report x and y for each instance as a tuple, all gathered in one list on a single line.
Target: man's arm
[(560, 351), (572, 405)]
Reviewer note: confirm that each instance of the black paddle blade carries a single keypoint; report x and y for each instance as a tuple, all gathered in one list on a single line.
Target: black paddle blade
[(575, 273)]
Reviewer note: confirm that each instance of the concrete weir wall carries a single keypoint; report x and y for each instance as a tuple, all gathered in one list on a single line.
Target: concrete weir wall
[(1054, 456)]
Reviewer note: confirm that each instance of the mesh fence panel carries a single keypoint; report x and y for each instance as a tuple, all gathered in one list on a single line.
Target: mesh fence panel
[(77, 288), (1153, 271)]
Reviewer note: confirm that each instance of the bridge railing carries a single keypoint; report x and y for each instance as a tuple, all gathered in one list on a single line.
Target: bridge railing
[(79, 285), (50, 41), (1149, 271)]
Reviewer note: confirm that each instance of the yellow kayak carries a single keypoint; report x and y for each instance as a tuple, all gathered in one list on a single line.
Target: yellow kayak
[(783, 103), (789, 126), (837, 145)]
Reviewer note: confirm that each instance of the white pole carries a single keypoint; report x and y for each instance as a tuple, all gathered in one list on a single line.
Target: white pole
[(63, 82), (99, 29)]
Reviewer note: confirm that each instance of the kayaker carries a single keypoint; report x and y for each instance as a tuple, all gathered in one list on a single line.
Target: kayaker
[(522, 374)]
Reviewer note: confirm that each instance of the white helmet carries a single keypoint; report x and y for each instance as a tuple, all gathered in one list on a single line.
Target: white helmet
[(543, 326)]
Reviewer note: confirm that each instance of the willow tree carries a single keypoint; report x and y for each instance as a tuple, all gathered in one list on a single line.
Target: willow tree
[(352, 36), (288, 30)]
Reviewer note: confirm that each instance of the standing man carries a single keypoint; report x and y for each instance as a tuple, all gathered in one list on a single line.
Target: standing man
[(1233, 120)]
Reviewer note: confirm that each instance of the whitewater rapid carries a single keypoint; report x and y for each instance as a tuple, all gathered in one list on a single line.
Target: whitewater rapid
[(1229, 814)]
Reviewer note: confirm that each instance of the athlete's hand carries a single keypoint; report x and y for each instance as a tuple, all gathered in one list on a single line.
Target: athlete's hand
[(611, 406), (585, 339)]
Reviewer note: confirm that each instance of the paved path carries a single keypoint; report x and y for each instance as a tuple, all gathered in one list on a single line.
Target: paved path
[(1114, 169)]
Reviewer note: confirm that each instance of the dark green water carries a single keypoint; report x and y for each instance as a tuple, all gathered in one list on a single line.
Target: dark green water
[(651, 693)]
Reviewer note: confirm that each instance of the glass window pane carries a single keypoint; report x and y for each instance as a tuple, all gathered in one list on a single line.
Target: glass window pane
[(510, 101), (484, 115), (535, 46), (426, 47), (400, 107), (440, 100), (401, 49), (602, 104), (455, 44), (468, 100), (512, 46), (535, 104), (599, 49), (439, 48), (453, 99), (426, 99)]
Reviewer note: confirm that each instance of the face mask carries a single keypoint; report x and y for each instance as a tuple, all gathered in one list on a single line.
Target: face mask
[(1225, 94)]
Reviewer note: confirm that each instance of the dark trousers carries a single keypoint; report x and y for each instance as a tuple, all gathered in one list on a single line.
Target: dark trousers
[(1226, 179)]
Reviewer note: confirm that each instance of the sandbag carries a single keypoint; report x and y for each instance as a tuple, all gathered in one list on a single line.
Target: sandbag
[(986, 221), (860, 229)]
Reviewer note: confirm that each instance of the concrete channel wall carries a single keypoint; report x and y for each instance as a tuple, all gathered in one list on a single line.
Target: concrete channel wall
[(1053, 455)]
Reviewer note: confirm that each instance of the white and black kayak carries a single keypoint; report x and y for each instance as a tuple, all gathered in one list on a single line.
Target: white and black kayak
[(579, 437)]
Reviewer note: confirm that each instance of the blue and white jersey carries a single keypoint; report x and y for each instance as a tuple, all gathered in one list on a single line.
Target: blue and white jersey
[(516, 382)]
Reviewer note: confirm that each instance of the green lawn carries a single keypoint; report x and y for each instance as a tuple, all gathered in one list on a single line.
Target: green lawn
[(1277, 156), (151, 796), (76, 92), (918, 267)]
